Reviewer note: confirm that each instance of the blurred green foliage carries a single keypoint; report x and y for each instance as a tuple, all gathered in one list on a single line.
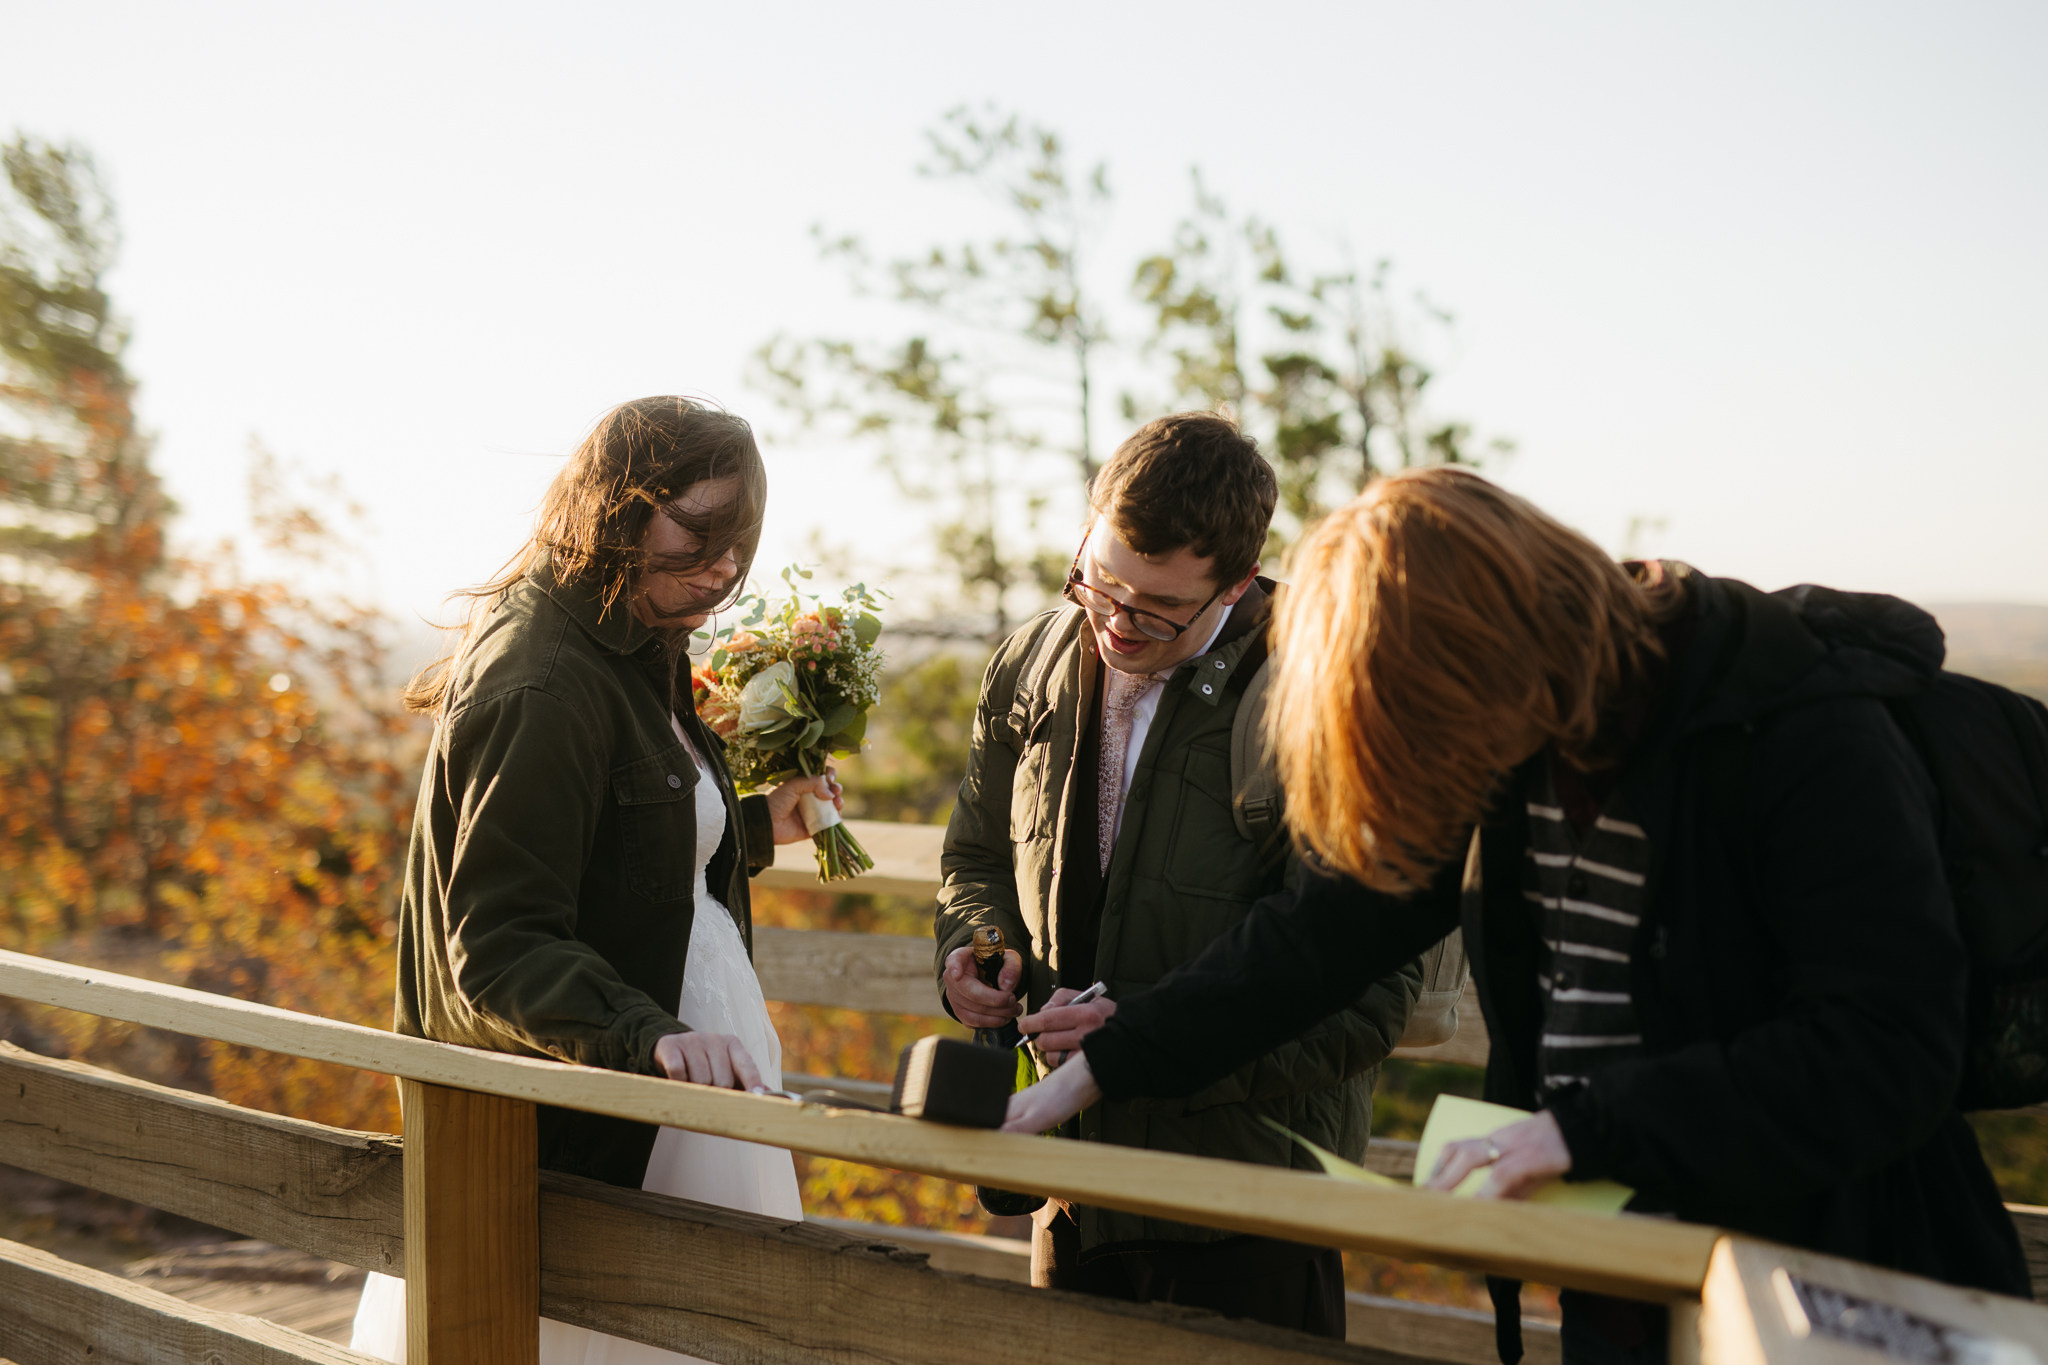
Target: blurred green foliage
[(917, 741)]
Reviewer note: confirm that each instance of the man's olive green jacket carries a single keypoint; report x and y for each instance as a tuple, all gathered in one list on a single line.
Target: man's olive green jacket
[(547, 900), (1180, 876)]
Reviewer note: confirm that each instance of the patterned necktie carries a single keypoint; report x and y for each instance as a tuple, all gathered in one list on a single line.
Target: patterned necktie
[(1120, 694)]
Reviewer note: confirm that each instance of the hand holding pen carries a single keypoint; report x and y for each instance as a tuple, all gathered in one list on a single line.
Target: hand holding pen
[(1066, 1019)]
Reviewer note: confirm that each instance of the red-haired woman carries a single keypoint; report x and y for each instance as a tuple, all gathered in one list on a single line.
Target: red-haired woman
[(1751, 1011)]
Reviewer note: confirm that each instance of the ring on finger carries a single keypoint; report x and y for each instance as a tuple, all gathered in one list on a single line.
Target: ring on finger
[(1492, 1153)]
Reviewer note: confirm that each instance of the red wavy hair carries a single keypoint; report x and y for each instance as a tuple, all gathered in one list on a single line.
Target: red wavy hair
[(1439, 631)]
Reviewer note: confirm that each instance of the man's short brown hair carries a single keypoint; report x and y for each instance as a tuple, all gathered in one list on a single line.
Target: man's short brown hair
[(1191, 481)]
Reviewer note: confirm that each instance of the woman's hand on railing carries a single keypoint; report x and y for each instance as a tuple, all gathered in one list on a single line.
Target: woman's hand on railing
[(707, 1059), (1054, 1100), (1525, 1156)]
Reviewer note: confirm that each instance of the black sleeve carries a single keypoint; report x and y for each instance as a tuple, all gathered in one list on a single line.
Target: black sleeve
[(1296, 959), (1862, 1058)]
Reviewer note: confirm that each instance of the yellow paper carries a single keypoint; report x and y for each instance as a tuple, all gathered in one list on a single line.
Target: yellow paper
[(1332, 1163), (1454, 1118)]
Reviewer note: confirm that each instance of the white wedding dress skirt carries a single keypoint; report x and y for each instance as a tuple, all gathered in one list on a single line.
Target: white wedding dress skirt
[(721, 994)]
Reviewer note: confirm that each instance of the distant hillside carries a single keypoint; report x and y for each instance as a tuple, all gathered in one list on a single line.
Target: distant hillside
[(2003, 641)]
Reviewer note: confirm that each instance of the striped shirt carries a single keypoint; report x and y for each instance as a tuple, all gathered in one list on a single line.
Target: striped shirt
[(1587, 891)]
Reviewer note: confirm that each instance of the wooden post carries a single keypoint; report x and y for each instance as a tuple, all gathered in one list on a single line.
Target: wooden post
[(472, 1227)]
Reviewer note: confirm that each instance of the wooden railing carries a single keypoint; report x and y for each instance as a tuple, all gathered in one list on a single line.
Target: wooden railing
[(486, 1241)]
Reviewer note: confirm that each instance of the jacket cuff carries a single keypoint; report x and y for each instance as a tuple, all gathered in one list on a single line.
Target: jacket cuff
[(1578, 1118), (1113, 1062), (757, 833), (645, 1033)]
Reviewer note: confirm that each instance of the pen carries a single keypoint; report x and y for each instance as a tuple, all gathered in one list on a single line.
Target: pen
[(1100, 988)]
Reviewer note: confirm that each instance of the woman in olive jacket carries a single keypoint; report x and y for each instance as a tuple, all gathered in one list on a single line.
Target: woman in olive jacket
[(548, 897), (1746, 1002)]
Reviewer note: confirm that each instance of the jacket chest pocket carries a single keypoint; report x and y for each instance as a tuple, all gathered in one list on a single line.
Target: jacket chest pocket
[(657, 814), (1029, 801)]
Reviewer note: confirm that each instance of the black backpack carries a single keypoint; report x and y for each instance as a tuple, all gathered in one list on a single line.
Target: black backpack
[(1986, 747)]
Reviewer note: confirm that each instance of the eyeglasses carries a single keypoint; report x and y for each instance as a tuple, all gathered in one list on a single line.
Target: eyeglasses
[(1101, 603)]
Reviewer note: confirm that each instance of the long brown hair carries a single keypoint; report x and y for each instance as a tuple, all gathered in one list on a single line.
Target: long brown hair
[(639, 458), (1439, 631)]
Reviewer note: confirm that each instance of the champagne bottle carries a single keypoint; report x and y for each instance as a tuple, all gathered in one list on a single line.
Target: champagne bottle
[(989, 950)]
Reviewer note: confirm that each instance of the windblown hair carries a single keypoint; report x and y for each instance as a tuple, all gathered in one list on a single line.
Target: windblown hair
[(1194, 481), (1439, 631), (639, 458)]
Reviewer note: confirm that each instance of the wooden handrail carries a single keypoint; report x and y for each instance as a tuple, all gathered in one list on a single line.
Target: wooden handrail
[(709, 1281), (1639, 1258)]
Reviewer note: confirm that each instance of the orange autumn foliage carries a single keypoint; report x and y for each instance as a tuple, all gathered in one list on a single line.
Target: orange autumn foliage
[(201, 777)]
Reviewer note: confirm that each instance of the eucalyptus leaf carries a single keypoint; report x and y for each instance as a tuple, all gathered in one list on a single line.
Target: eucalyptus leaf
[(867, 628), (841, 718)]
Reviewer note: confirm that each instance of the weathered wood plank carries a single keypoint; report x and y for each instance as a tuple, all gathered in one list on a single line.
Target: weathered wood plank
[(259, 1174), (472, 1224), (1462, 1336), (61, 1312), (906, 863), (884, 973), (1645, 1258), (737, 1287)]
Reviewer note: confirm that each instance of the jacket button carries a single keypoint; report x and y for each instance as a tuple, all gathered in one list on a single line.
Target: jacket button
[(1221, 664), (674, 781), (1207, 690)]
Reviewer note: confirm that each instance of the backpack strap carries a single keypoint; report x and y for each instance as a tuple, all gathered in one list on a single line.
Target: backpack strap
[(1034, 673), (2030, 728), (1257, 805)]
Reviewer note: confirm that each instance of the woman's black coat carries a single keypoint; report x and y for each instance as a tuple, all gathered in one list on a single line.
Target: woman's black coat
[(1798, 972)]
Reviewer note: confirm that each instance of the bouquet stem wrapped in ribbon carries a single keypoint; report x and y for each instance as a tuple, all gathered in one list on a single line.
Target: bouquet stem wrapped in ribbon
[(788, 689)]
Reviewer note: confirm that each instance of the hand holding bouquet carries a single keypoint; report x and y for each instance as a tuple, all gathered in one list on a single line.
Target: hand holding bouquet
[(788, 689)]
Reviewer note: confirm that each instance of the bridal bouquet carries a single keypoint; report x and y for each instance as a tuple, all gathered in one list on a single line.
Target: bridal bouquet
[(789, 688)]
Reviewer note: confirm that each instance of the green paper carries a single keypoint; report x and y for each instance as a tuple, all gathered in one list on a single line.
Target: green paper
[(1332, 1163), (1454, 1118), (1450, 1120)]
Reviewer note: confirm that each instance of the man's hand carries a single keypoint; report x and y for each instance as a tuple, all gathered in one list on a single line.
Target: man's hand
[(789, 821), (1057, 1030), (707, 1059), (1054, 1100), (1524, 1156), (976, 1005)]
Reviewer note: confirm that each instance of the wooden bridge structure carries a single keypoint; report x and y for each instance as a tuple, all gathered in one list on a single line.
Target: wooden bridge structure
[(487, 1242)]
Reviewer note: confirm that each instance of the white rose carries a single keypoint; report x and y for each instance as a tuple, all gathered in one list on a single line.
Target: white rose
[(761, 702)]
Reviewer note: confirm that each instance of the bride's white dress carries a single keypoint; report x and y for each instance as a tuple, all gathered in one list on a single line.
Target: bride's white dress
[(721, 994)]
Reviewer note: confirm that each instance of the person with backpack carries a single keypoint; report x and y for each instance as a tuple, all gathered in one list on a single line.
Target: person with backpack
[(1698, 866), (1095, 830)]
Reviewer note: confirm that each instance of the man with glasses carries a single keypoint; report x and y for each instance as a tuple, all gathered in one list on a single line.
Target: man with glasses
[(1096, 830)]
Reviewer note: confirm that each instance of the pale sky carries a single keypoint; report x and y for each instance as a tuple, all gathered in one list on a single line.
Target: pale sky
[(1776, 274)]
